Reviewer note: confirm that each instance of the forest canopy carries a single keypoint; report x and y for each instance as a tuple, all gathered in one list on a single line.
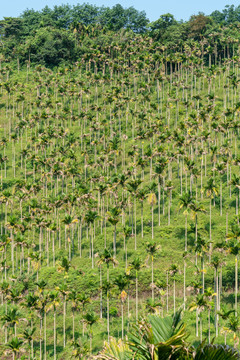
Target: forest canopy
[(62, 34)]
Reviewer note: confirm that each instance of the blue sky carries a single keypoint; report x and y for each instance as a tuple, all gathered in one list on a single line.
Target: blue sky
[(180, 9)]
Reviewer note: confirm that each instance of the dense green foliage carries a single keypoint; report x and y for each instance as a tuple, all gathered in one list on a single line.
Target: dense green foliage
[(65, 33)]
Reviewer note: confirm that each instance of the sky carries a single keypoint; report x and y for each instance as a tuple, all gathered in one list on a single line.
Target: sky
[(154, 8)]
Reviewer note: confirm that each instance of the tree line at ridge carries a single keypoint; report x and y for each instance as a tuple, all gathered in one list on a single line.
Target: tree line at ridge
[(65, 33)]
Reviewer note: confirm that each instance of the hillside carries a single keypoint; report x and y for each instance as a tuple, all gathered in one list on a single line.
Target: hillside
[(119, 195)]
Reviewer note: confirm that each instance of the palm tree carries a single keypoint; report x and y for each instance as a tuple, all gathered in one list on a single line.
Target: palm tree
[(136, 265), (152, 248), (53, 230), (209, 293), (42, 308), (54, 303), (211, 191), (64, 266), (196, 208), (105, 257), (173, 272), (127, 231), (5, 240), (80, 350), (235, 181), (121, 282), (73, 296), (201, 249), (199, 304), (11, 319), (221, 169), (215, 263), (90, 218), (30, 302), (35, 258), (28, 335), (68, 222), (113, 218), (101, 188), (90, 319), (64, 290), (233, 325), (159, 172), (133, 190), (99, 264), (153, 306), (234, 248), (224, 313), (168, 187), (12, 226), (15, 346), (152, 201), (82, 299), (141, 196), (159, 338), (186, 203)]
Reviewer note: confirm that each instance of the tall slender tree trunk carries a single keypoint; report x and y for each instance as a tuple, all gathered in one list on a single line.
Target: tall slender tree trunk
[(236, 284), (136, 296), (122, 320), (152, 223), (92, 246), (135, 224), (167, 292), (203, 280), (40, 338), (108, 325), (174, 296), (54, 335), (101, 293), (115, 241), (220, 196), (216, 302), (197, 322), (45, 335), (73, 325), (159, 202), (209, 326), (184, 285), (64, 321), (210, 228), (90, 340), (186, 232), (152, 281), (196, 236)]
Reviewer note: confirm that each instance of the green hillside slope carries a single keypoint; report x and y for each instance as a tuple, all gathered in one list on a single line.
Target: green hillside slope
[(119, 197)]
